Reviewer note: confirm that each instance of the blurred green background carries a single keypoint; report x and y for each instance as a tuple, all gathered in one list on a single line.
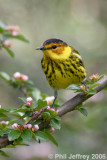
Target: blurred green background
[(80, 23)]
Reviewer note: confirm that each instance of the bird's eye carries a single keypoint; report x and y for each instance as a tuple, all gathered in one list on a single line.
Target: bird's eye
[(54, 47)]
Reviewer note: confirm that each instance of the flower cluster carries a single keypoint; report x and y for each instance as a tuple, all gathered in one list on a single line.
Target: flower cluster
[(4, 122), (13, 29), (18, 75), (33, 128), (52, 109), (94, 77), (83, 88)]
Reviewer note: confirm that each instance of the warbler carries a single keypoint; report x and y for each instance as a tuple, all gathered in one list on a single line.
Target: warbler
[(62, 64)]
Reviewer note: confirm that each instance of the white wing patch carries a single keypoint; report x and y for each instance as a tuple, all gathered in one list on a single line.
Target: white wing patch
[(78, 56)]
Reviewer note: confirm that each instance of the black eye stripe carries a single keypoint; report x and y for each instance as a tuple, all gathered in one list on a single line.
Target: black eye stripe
[(54, 46)]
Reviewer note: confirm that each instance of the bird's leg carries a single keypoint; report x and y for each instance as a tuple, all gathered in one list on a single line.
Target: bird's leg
[(55, 95)]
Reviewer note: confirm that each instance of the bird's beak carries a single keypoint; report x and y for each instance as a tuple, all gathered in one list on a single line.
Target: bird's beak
[(41, 48)]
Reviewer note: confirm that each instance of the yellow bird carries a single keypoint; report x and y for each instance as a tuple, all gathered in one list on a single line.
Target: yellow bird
[(62, 64)]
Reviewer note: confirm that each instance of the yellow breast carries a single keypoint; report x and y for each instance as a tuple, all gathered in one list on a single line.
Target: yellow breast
[(62, 73)]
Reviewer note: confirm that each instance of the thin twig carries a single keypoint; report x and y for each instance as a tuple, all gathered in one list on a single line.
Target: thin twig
[(23, 91)]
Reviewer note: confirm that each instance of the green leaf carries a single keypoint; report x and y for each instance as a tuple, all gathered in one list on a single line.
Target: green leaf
[(83, 111), (89, 83), (3, 153), (10, 52), (3, 115), (15, 85), (35, 104), (43, 96), (3, 132), (23, 99), (16, 115), (10, 146), (52, 113), (4, 76), (92, 92), (105, 88), (101, 76), (34, 136), (7, 36), (26, 135), (28, 113), (14, 134), (12, 121), (3, 110), (36, 93), (1, 127), (57, 118), (46, 115), (23, 144), (55, 123), (21, 37), (2, 27), (93, 86), (73, 87), (41, 104), (1, 30), (51, 138), (20, 110), (28, 83), (41, 136)]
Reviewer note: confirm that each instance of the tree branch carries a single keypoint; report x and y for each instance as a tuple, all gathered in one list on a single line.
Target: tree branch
[(71, 104), (68, 106)]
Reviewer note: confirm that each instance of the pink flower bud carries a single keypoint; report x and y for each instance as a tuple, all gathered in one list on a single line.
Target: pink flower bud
[(25, 125), (52, 129), (29, 126), (14, 33), (49, 99), (83, 87), (12, 28), (52, 109), (7, 43), (36, 127), (3, 122), (28, 104), (8, 28), (17, 75), (29, 99), (24, 77), (15, 126), (0, 106), (48, 107), (7, 122)]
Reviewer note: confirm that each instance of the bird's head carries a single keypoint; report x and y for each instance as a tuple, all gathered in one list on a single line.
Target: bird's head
[(55, 49)]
